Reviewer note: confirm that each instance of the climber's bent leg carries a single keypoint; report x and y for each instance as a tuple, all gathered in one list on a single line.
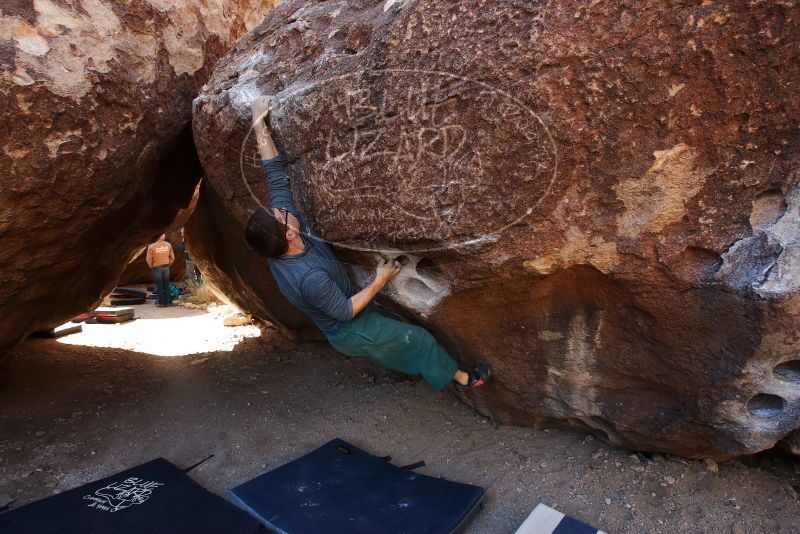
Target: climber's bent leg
[(396, 345)]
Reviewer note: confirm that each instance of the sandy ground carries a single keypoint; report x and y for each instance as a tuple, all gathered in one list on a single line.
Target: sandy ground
[(170, 331), (70, 414)]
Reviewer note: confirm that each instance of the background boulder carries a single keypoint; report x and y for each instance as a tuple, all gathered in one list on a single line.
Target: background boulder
[(137, 271), (600, 199), (97, 154)]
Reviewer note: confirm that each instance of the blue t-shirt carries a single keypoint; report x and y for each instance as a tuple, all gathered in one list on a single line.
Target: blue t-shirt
[(314, 280)]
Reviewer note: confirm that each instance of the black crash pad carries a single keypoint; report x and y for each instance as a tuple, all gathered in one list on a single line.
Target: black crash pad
[(106, 311), (153, 498), (131, 291), (339, 488), (124, 300)]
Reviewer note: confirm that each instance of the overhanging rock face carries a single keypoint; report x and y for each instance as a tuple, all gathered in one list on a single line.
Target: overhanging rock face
[(96, 153), (603, 201)]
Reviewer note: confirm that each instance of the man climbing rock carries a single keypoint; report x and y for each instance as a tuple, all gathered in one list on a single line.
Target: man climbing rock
[(159, 257), (312, 279)]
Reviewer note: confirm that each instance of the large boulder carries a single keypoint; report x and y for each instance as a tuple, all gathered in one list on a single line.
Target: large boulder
[(601, 199), (97, 154)]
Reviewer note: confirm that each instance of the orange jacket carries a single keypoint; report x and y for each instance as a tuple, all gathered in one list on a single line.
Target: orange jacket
[(160, 254)]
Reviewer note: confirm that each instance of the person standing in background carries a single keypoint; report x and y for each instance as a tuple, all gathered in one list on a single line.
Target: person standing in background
[(159, 257)]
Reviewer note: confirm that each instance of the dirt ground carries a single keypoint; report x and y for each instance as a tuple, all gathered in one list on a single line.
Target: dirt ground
[(71, 413)]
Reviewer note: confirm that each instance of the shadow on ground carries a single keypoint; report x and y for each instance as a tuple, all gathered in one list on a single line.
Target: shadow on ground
[(69, 414)]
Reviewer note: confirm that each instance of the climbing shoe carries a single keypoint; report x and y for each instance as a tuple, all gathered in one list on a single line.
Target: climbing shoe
[(479, 375)]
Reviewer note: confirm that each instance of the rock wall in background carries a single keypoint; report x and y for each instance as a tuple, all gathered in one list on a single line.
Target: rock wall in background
[(234, 273), (96, 152), (601, 199), (137, 271)]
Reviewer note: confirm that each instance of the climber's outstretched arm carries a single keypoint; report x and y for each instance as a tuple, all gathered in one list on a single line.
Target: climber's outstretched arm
[(280, 190), (266, 147)]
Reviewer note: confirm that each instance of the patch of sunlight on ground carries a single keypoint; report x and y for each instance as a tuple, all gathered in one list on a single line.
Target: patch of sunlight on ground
[(171, 331)]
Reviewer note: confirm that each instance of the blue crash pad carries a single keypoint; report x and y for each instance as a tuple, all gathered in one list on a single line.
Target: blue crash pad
[(546, 520), (153, 498), (339, 488)]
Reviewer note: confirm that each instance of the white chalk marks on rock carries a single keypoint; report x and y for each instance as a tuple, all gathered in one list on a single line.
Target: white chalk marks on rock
[(493, 158)]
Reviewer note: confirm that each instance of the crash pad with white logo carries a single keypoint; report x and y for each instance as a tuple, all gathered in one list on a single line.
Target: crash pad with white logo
[(153, 498)]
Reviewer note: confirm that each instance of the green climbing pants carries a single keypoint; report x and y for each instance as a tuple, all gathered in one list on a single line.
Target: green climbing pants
[(391, 343)]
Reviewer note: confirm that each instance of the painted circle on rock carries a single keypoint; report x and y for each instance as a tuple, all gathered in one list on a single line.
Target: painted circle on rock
[(398, 159)]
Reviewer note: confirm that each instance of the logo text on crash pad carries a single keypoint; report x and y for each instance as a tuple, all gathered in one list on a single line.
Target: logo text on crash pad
[(120, 495)]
